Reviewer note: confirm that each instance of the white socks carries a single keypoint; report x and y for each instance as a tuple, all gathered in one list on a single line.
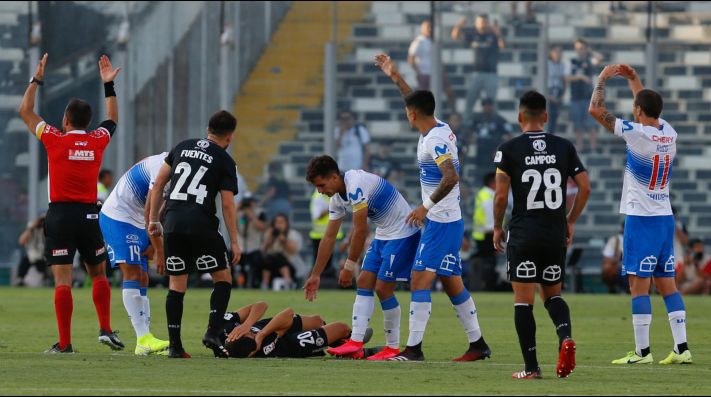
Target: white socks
[(134, 304), (362, 312), (419, 316), (641, 324), (677, 321), (467, 315)]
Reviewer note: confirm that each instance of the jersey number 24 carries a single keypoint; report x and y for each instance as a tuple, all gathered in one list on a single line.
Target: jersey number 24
[(553, 194), (194, 188)]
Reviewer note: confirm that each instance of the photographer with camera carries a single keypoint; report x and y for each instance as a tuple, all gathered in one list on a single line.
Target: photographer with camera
[(281, 252), (251, 224), (33, 241)]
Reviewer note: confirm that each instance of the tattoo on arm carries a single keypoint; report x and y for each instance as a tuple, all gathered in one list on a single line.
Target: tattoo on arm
[(597, 101), (402, 85), (448, 182)]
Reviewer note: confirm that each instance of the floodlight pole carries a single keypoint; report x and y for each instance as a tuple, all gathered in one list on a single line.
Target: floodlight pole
[(329, 85), (33, 148), (651, 53), (436, 62)]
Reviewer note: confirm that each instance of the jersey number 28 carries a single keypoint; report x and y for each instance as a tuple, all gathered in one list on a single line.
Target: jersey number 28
[(195, 188), (553, 194)]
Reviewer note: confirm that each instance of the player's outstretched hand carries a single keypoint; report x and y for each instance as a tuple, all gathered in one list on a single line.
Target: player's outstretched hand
[(417, 216), (571, 233), (108, 73), (39, 72), (345, 278), (386, 64), (311, 288), (238, 332), (627, 72), (499, 237), (258, 339), (610, 71)]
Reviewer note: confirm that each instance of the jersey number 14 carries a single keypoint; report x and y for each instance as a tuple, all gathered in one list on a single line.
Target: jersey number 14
[(194, 188), (553, 194)]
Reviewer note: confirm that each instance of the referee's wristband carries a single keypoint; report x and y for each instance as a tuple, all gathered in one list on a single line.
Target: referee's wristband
[(109, 89), (349, 265), (428, 204)]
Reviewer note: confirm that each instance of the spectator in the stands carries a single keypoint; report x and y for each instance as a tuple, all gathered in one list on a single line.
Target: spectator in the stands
[(281, 253), (579, 76), (33, 241), (692, 278), (419, 56), (103, 185), (489, 129), (352, 143), (556, 88), (612, 263), (485, 40), (251, 225), (385, 166), (277, 197), (528, 17)]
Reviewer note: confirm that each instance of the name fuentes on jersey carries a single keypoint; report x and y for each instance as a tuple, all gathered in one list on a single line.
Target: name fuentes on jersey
[(196, 154), (538, 160)]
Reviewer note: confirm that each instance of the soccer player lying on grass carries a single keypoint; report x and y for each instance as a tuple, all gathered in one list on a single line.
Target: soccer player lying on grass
[(286, 335)]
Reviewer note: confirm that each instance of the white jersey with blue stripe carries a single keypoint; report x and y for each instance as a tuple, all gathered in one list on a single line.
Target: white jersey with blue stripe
[(437, 146), (650, 155), (387, 209), (128, 199)]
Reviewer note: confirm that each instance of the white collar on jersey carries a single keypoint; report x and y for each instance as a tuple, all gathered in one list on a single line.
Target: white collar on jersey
[(78, 132)]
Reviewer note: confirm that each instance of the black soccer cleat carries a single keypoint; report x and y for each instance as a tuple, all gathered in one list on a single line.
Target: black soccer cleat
[(56, 350), (474, 354), (215, 343), (409, 354), (111, 340), (177, 352)]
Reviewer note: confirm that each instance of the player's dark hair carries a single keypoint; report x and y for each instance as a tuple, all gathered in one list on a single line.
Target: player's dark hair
[(286, 218), (421, 101), (694, 241), (650, 102), (532, 104), (489, 178), (222, 123), (582, 41), (321, 166), (241, 348), (104, 172), (78, 113)]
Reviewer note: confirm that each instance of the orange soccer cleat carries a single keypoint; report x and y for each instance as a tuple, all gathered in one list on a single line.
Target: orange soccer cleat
[(347, 349), (385, 354), (566, 358)]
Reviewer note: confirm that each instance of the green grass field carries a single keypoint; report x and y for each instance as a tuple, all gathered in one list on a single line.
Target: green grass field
[(601, 326)]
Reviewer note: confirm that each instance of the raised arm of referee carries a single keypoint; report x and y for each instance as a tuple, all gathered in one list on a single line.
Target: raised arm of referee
[(72, 224)]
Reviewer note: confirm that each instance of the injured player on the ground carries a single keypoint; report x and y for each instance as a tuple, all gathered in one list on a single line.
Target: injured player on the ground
[(286, 335)]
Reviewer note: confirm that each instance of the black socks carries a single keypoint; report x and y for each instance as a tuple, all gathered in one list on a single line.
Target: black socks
[(219, 300), (560, 314), (174, 314), (526, 329)]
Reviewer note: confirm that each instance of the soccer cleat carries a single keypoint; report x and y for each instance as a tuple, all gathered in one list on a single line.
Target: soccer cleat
[(409, 354), (633, 358), (56, 350), (215, 343), (528, 375), (474, 355), (149, 344), (346, 349), (566, 358), (674, 358), (111, 340), (174, 352), (385, 354)]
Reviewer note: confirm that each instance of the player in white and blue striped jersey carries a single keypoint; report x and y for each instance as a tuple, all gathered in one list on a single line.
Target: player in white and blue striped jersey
[(123, 224), (649, 222), (438, 251), (388, 260)]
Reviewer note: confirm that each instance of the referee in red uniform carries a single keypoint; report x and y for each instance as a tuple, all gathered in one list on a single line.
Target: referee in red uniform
[(72, 223)]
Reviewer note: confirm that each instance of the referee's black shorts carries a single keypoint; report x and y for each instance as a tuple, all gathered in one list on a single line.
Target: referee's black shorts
[(70, 227)]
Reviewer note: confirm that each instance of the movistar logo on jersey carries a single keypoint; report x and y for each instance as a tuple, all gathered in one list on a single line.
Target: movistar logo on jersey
[(357, 195), (440, 150)]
